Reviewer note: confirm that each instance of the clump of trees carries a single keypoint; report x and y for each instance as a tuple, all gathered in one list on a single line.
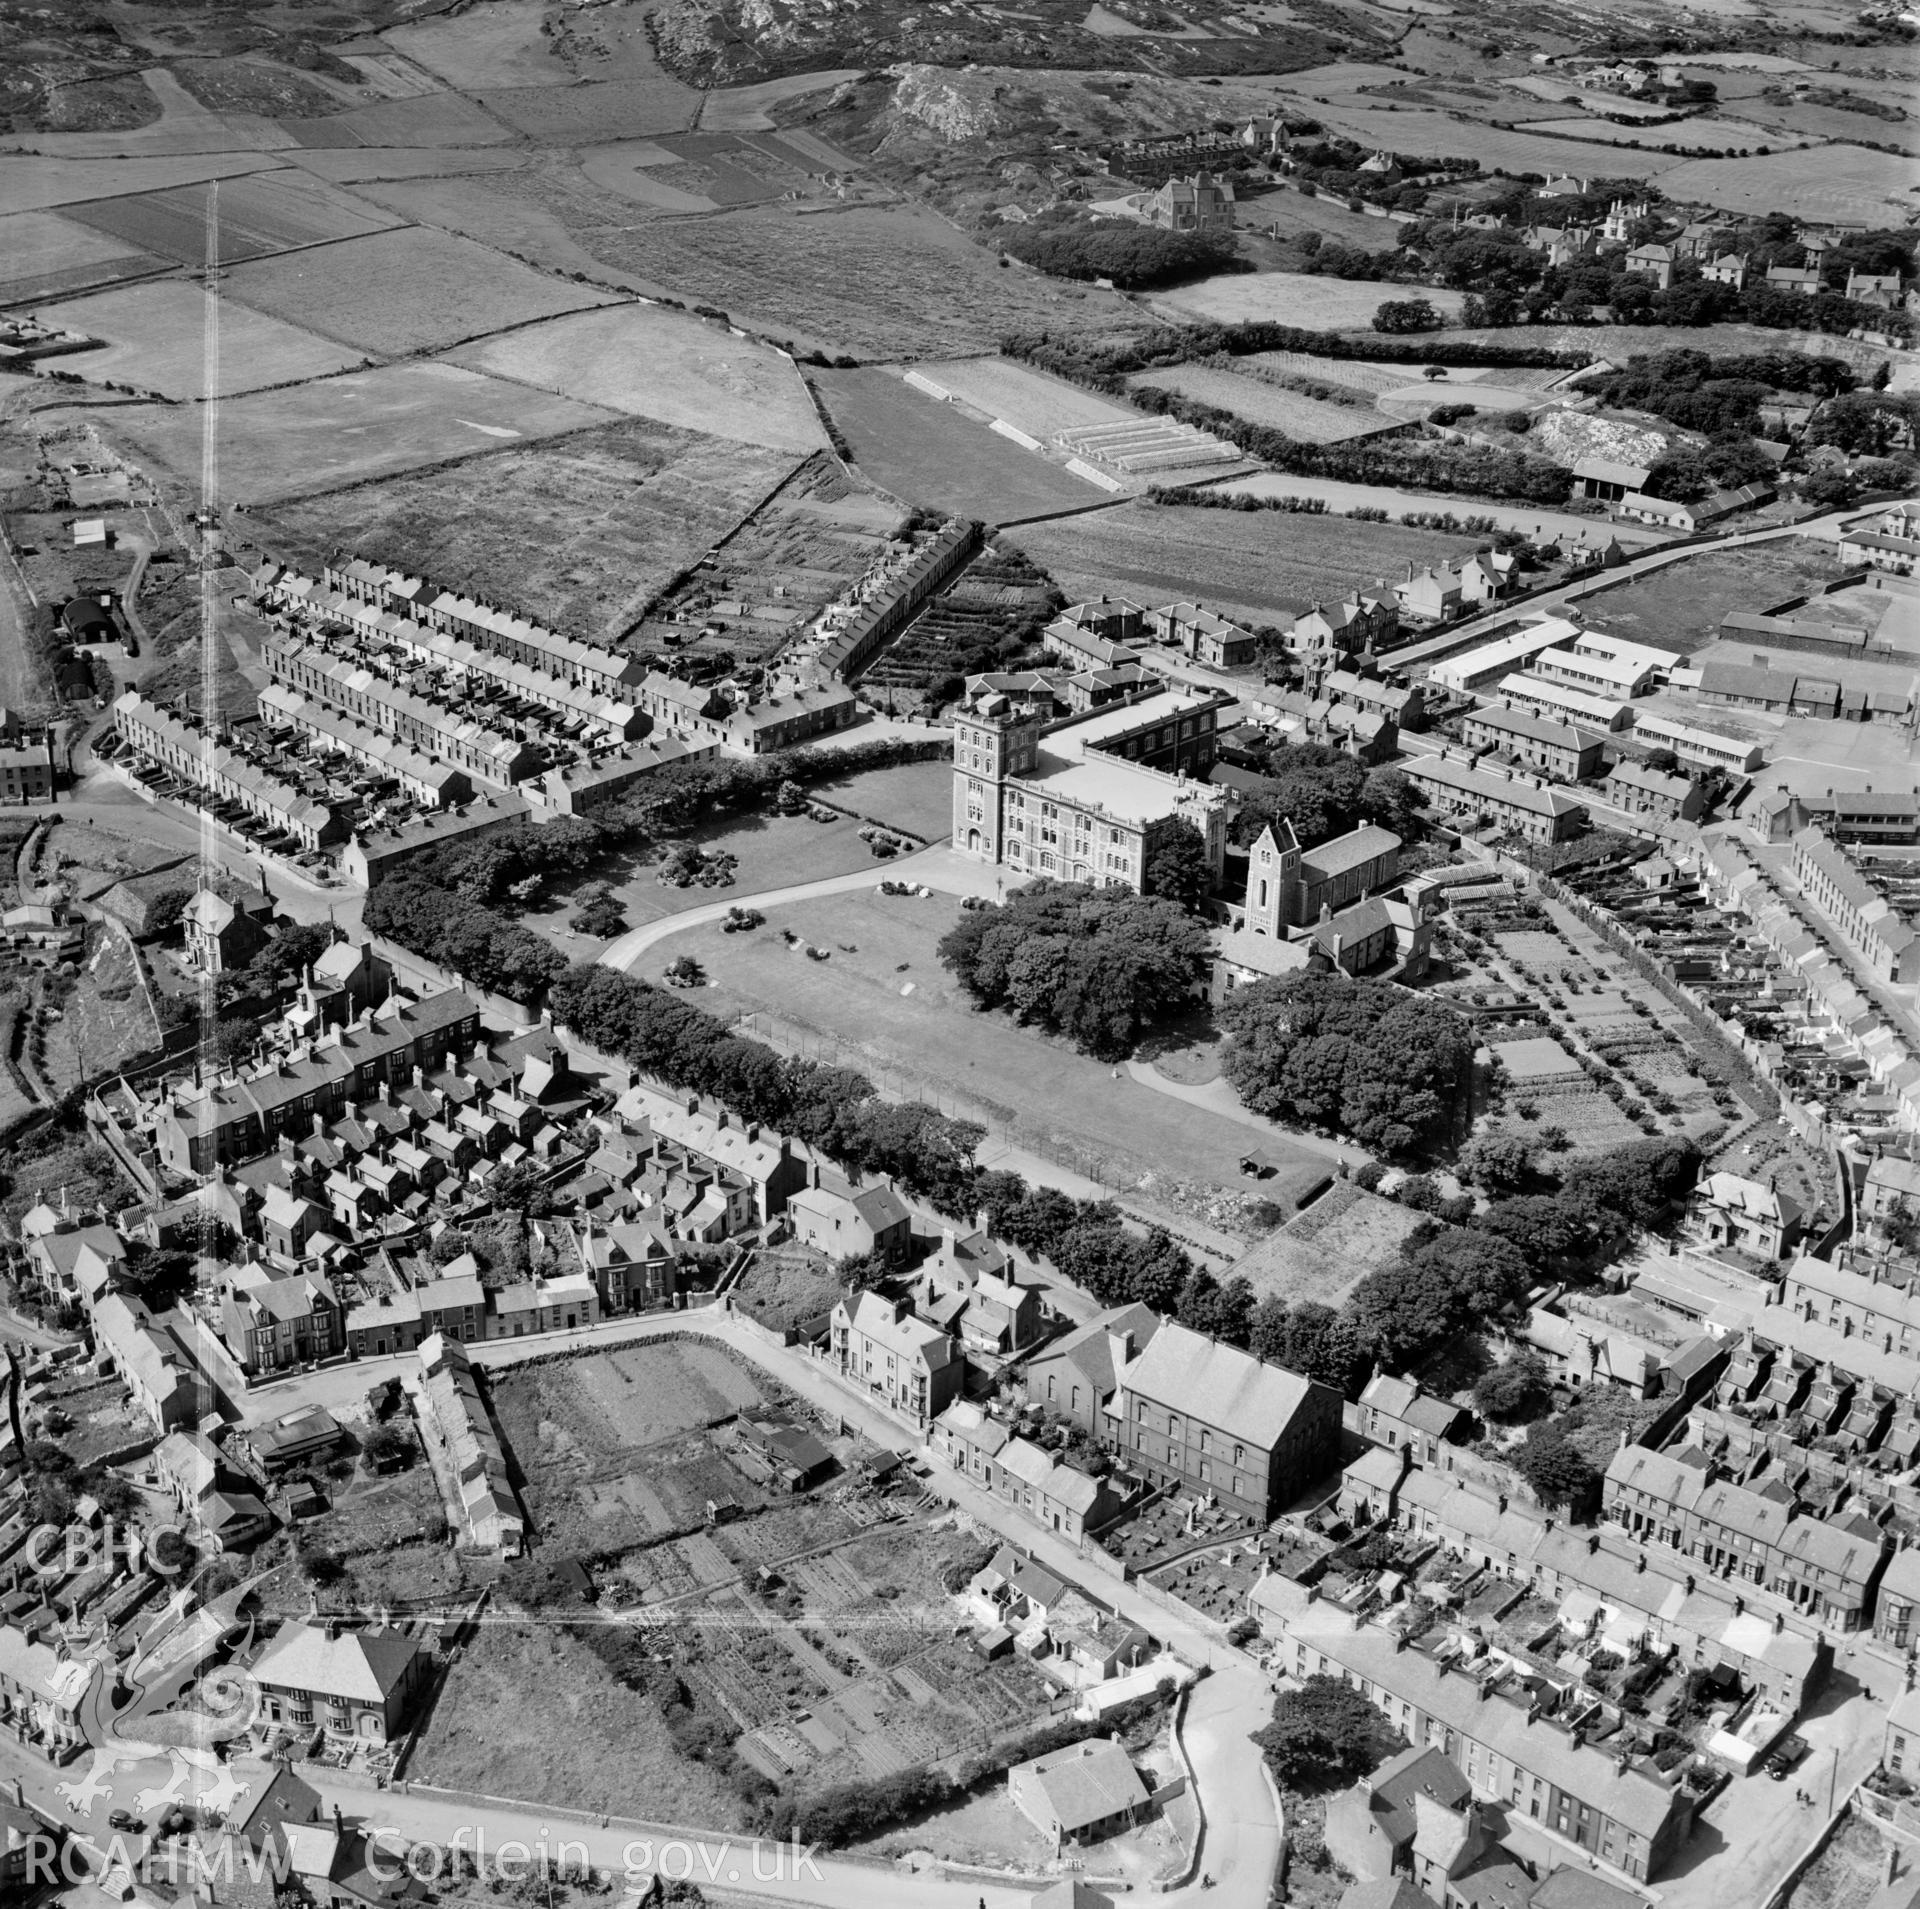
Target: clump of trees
[(1323, 792), (476, 941), (1068, 243), (1098, 965), (1361, 1057), (1324, 1735)]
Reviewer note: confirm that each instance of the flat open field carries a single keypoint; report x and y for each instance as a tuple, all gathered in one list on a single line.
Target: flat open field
[(405, 291), (1831, 182), (434, 119), (600, 109), (579, 536), (154, 336), (1295, 298), (1716, 135), (1310, 419), (980, 1065), (269, 212), (343, 430), (1680, 606), (1040, 405), (663, 364), (498, 43), (851, 281), (1293, 212), (43, 255), (529, 1712), (51, 182), (926, 452), (1262, 563)]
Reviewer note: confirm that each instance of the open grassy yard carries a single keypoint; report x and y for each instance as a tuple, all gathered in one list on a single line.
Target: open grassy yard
[(527, 1712), (661, 364), (580, 537), (366, 424), (926, 452), (1264, 564), (882, 1001), (1296, 212), (1680, 607)]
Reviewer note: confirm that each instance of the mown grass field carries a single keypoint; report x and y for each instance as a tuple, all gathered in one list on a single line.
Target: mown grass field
[(1312, 420), (1297, 298)]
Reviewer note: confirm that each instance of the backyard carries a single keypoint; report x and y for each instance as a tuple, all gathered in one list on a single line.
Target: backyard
[(1328, 1247)]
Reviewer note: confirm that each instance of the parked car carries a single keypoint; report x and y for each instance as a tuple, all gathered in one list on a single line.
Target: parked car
[(124, 1820), (1787, 1756)]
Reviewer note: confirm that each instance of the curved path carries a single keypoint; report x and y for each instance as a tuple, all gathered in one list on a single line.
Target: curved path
[(938, 867)]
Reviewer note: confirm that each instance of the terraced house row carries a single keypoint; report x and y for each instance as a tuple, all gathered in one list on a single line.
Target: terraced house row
[(319, 612), (1829, 1569), (373, 699), (503, 632), (222, 773)]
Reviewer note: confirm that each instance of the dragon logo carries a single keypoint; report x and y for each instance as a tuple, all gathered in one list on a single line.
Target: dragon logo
[(178, 1749)]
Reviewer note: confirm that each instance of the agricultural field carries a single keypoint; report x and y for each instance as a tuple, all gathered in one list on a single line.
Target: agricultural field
[(66, 182), (44, 255), (334, 431), (265, 213), (1715, 135), (399, 292), (581, 536), (602, 109), (1039, 404), (662, 364), (852, 280), (433, 119), (1310, 420), (154, 336), (927, 453), (913, 1028), (1296, 298), (1264, 565), (349, 165), (1680, 607), (1294, 213), (1847, 183), (1328, 1246)]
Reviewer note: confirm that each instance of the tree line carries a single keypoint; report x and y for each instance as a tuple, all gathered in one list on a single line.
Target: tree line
[(1134, 256)]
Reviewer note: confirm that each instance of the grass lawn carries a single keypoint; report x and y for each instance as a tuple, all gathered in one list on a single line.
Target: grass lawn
[(1324, 1252), (883, 1002)]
